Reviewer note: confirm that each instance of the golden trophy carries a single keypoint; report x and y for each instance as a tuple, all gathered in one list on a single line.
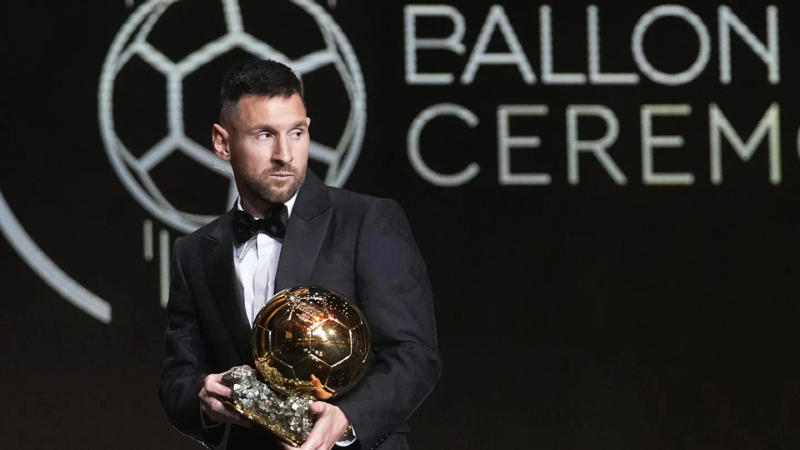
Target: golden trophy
[(309, 344)]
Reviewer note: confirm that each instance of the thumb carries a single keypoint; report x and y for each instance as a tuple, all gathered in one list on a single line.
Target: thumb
[(317, 407)]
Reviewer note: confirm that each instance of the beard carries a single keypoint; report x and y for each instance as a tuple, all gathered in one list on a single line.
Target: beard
[(277, 193)]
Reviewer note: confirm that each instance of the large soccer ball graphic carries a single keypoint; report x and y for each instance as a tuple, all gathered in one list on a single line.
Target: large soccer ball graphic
[(135, 167), (310, 341)]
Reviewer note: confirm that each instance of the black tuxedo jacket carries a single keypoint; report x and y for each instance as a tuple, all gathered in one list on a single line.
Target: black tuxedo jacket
[(357, 245)]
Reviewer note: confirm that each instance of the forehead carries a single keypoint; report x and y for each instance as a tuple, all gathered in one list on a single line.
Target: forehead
[(256, 109)]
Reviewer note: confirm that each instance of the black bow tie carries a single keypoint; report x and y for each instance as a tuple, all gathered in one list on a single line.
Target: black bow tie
[(245, 226)]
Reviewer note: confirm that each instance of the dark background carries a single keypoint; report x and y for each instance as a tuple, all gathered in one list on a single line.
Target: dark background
[(593, 316)]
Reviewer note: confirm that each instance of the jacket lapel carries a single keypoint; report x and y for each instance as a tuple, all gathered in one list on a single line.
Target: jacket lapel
[(221, 276), (305, 232)]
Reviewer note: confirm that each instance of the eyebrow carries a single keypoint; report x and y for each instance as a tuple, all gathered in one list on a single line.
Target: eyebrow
[(298, 124)]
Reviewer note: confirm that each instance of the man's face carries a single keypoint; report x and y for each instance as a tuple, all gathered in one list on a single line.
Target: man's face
[(267, 145)]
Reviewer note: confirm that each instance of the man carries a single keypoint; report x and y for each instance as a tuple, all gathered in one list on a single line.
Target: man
[(223, 273)]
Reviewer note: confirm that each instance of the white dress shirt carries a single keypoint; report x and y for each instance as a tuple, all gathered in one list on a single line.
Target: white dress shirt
[(256, 262)]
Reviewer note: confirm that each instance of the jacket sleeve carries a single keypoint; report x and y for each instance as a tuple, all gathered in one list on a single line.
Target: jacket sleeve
[(184, 368), (394, 293)]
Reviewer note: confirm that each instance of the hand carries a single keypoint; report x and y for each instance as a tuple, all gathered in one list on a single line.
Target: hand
[(328, 429), (211, 396)]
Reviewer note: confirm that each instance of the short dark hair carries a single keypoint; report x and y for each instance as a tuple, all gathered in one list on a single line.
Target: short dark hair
[(257, 77)]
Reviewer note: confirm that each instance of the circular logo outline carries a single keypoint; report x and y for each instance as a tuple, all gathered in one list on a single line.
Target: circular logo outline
[(340, 161)]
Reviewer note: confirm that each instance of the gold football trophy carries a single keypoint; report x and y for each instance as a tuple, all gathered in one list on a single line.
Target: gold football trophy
[(309, 344)]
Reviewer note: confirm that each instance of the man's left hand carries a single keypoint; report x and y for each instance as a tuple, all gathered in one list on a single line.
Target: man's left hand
[(328, 429)]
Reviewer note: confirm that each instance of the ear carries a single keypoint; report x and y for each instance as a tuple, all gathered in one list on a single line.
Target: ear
[(220, 139), (308, 121)]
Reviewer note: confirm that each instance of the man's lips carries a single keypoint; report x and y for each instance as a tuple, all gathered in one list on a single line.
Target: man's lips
[(281, 175)]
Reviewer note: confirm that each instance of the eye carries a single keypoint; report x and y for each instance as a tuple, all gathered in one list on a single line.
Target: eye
[(296, 134), (263, 136)]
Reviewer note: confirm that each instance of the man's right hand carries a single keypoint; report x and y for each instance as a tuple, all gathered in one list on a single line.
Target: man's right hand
[(211, 404)]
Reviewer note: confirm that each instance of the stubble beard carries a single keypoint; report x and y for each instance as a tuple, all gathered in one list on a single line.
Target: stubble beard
[(269, 194)]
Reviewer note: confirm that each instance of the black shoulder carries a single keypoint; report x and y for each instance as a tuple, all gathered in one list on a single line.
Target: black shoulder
[(197, 236), (342, 198), (370, 211), (358, 204)]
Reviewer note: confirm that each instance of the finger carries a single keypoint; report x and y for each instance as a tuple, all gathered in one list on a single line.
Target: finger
[(221, 412), (224, 410), (219, 390), (216, 405), (213, 378), (204, 396)]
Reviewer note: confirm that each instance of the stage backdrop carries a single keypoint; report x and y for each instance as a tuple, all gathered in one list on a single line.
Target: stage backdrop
[(605, 194)]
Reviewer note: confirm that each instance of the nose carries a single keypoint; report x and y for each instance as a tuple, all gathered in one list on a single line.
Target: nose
[(282, 152)]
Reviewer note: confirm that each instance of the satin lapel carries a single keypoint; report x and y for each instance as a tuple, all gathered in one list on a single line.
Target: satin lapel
[(300, 249), (221, 276), (305, 233)]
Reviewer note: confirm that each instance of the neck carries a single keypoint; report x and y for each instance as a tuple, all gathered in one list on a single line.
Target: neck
[(256, 207)]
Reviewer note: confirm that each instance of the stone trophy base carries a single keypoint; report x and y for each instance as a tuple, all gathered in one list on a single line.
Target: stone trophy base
[(288, 417)]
